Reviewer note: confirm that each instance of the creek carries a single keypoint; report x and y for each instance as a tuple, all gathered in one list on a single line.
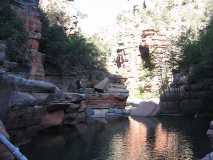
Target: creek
[(125, 139)]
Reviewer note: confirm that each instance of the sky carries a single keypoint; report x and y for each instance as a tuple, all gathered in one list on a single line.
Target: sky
[(101, 13)]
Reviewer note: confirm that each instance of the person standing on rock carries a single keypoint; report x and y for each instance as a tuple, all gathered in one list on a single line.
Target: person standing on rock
[(119, 59), (79, 86)]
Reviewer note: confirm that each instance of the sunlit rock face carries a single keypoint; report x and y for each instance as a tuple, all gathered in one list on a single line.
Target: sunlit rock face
[(168, 20), (136, 52), (153, 41), (28, 11), (61, 12)]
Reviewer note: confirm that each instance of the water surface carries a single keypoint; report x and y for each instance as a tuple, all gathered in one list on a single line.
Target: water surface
[(125, 139)]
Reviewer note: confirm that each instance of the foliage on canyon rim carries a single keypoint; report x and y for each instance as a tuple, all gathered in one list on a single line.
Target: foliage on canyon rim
[(198, 54), (65, 45)]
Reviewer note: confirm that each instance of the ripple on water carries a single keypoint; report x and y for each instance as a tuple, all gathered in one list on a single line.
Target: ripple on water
[(130, 139)]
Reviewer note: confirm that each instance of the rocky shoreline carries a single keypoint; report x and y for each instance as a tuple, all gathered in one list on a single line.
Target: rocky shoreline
[(37, 107), (187, 97), (29, 103)]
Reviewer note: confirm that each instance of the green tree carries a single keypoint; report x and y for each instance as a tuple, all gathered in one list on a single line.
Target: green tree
[(70, 51), (198, 54), (12, 30)]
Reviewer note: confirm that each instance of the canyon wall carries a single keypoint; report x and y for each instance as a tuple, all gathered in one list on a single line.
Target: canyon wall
[(29, 12), (158, 27)]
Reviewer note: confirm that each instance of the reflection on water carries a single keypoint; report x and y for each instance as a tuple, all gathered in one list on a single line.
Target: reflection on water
[(126, 139)]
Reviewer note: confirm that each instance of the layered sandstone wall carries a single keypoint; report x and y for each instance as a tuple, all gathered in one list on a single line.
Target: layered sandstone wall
[(159, 22), (146, 50), (29, 12), (154, 53)]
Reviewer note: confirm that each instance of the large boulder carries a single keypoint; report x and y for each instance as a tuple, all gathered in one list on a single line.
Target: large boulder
[(27, 84), (65, 97), (144, 109), (106, 100), (10, 85), (22, 99)]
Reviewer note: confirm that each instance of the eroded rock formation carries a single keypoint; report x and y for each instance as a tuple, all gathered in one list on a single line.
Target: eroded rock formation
[(155, 56), (30, 14)]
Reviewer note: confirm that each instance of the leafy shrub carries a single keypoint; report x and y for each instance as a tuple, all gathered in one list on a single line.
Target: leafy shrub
[(11, 30), (198, 55), (66, 52)]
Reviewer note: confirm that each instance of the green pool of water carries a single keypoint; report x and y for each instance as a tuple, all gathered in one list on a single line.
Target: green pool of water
[(125, 139)]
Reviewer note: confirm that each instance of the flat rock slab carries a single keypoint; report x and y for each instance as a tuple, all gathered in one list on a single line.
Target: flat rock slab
[(106, 100), (22, 99), (27, 84), (103, 84)]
